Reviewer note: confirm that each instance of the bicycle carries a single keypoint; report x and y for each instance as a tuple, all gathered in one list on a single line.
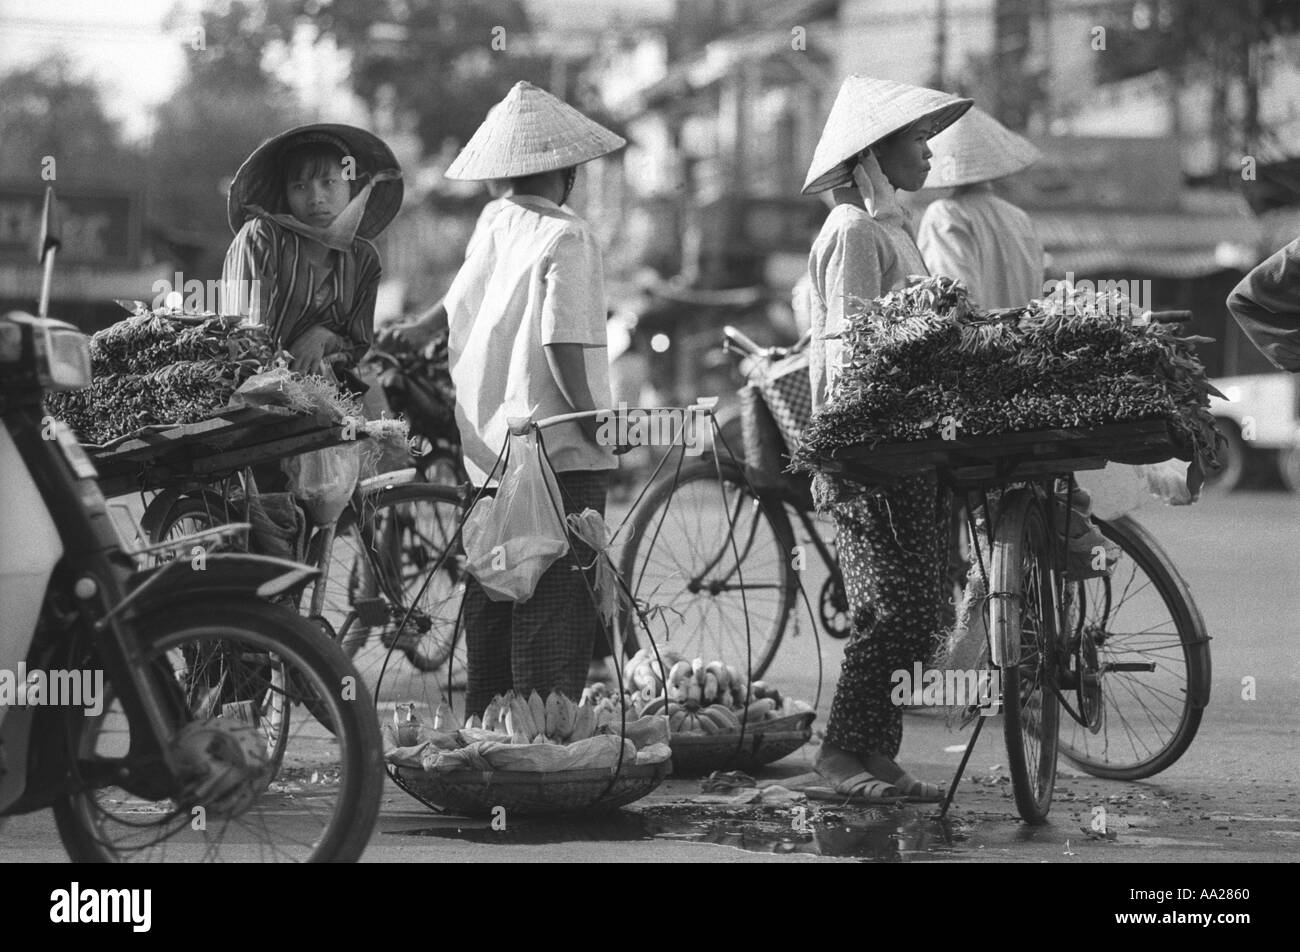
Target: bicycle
[(1135, 726), (371, 595)]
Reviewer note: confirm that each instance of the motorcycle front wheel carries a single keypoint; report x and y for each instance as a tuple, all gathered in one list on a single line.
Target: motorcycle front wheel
[(235, 803)]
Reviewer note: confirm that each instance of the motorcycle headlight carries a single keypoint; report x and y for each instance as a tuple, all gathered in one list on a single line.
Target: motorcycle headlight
[(67, 357)]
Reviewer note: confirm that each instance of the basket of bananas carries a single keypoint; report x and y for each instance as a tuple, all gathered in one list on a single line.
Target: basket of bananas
[(716, 720), (527, 756)]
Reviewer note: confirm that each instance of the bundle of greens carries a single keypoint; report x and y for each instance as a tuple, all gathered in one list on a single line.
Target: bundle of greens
[(152, 341), (158, 368), (118, 404), (923, 363)]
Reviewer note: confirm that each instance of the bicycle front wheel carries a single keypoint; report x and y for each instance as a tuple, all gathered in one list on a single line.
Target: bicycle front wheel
[(1153, 660), (232, 805), (1022, 616), (712, 561)]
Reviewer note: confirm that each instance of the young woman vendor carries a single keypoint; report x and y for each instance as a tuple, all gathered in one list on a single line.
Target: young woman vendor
[(892, 544), (305, 207)]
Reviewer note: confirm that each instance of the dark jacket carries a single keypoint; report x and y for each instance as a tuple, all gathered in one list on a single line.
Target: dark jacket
[(1267, 306)]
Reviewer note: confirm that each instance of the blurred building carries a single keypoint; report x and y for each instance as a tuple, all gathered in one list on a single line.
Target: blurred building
[(724, 105)]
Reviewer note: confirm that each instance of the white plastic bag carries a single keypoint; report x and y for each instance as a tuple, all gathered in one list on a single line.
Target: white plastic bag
[(324, 479), (512, 539)]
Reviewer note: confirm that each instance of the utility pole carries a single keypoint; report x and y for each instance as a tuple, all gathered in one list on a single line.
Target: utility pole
[(940, 45)]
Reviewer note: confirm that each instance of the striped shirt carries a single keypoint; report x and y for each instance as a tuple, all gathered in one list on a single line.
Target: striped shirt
[(269, 278)]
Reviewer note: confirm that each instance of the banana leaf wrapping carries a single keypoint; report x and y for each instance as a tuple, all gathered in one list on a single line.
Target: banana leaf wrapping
[(155, 369), (923, 360)]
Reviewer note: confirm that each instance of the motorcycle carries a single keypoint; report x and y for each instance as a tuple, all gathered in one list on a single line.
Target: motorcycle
[(165, 713)]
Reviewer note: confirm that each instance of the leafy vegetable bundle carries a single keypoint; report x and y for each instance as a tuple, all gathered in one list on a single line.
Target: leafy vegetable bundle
[(923, 362), (150, 342), (154, 369)]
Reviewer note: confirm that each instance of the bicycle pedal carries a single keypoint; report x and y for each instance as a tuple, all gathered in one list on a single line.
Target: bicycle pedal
[(371, 612)]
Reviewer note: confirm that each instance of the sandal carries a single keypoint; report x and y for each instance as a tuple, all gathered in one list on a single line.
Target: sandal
[(919, 791), (862, 788)]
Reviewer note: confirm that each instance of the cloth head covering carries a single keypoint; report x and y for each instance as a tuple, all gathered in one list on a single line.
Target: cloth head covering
[(258, 189), (529, 132), (977, 149), (867, 110)]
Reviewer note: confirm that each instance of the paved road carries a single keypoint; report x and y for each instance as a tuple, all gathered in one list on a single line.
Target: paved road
[(1234, 795)]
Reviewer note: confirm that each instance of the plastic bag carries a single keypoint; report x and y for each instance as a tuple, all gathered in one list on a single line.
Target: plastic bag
[(323, 480), (512, 539)]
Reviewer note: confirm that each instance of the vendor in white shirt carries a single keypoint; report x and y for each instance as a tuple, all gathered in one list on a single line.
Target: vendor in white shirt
[(526, 317), (974, 235)]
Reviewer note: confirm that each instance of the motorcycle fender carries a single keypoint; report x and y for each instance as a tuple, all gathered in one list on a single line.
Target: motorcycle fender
[(15, 739), (235, 573)]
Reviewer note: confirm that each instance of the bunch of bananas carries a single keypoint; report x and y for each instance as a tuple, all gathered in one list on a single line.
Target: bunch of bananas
[(700, 698)]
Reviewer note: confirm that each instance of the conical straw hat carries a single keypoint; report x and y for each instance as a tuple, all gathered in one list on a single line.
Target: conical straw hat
[(260, 180), (866, 111), (528, 132), (977, 149)]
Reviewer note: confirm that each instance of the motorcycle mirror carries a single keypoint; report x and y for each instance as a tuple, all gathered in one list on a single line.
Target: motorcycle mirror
[(51, 227)]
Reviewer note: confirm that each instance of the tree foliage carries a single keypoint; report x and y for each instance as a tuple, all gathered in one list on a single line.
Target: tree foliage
[(443, 62), (49, 110), (224, 107)]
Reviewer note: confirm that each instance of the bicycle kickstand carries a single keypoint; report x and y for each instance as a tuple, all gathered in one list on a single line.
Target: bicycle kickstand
[(961, 768)]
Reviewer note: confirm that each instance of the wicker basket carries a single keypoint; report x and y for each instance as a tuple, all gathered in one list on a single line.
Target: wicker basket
[(474, 793), (762, 744), (788, 393)]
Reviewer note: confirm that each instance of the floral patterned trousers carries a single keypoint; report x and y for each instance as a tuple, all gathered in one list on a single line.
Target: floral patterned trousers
[(893, 553)]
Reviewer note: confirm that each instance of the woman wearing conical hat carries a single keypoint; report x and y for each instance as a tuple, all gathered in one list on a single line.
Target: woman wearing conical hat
[(526, 321), (973, 235), (305, 206), (892, 545)]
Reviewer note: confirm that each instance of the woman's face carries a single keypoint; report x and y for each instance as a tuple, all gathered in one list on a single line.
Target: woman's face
[(317, 199), (904, 157)]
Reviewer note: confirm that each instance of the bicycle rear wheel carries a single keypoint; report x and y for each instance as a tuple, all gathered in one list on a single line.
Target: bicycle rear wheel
[(1153, 654), (712, 555), (1022, 616)]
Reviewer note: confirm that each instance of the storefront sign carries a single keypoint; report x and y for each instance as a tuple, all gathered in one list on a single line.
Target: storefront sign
[(100, 227)]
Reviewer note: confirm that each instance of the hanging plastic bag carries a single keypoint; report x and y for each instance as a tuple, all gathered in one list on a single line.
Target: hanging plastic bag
[(510, 540), (323, 480)]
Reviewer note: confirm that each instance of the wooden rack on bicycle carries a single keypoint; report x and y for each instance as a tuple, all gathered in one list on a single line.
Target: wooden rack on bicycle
[(210, 449), (972, 461)]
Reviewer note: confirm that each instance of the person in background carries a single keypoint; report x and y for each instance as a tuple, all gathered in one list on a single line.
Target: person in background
[(992, 247), (526, 319), (305, 207), (1266, 303), (892, 543), (974, 235)]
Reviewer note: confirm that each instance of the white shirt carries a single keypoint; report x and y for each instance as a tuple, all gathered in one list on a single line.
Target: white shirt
[(986, 243), (532, 276), (855, 258)]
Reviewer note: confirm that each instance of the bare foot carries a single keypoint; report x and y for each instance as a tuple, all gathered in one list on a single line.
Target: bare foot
[(885, 768), (836, 765), (881, 767)]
